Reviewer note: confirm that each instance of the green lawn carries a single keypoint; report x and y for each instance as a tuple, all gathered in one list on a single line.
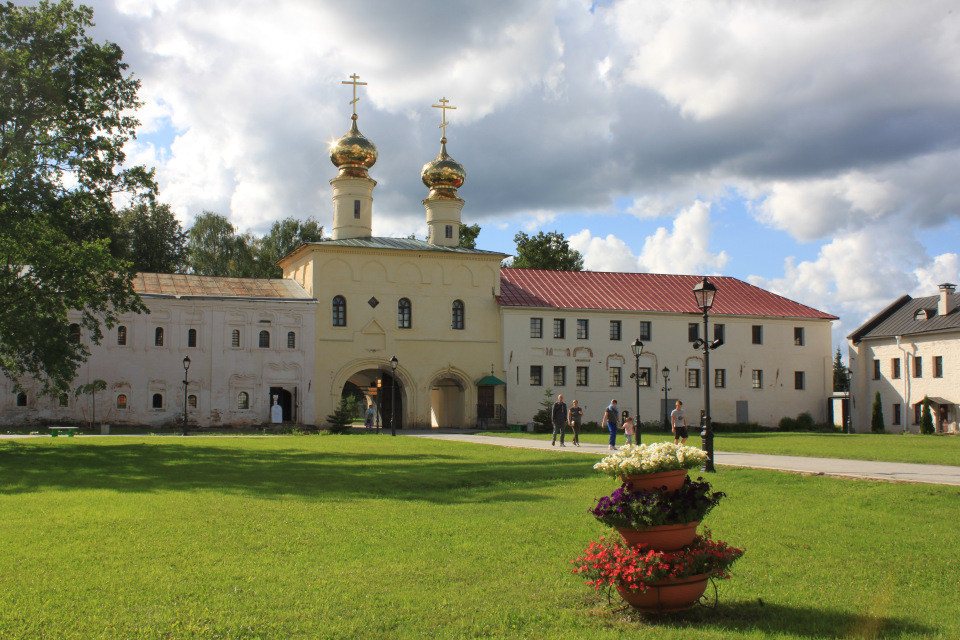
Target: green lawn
[(939, 449), (367, 536)]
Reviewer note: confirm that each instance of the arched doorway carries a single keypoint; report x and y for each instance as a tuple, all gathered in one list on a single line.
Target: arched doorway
[(286, 400), (447, 403), (377, 386)]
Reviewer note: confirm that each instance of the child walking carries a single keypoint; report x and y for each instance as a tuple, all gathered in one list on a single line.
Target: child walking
[(628, 429)]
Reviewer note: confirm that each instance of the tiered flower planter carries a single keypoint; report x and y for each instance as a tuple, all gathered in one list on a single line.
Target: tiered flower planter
[(667, 546)]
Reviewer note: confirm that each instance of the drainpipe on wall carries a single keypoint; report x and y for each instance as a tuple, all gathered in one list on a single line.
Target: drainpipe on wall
[(907, 415)]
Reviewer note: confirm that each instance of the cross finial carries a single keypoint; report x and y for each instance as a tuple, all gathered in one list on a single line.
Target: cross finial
[(353, 80), (443, 114)]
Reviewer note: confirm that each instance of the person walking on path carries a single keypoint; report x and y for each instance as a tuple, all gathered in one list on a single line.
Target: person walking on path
[(610, 417), (628, 429), (559, 420), (574, 417), (679, 422)]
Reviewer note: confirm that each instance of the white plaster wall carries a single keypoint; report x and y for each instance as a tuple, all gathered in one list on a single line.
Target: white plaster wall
[(908, 389), (218, 371), (778, 357)]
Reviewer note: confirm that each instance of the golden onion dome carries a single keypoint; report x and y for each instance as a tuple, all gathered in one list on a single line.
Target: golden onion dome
[(353, 154), (443, 175)]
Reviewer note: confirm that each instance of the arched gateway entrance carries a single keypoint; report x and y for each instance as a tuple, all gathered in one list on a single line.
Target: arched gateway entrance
[(448, 402), (381, 393)]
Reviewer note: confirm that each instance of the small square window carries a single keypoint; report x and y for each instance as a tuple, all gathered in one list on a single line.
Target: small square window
[(536, 327), (645, 376), (758, 334), (615, 329), (693, 332), (894, 368), (559, 376), (583, 376), (719, 378), (937, 366), (536, 375), (876, 369), (799, 380), (757, 379), (798, 339), (614, 376), (449, 231), (583, 329), (917, 367), (559, 328), (693, 378), (646, 330)]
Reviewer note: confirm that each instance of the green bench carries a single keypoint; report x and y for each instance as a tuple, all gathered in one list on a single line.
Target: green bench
[(516, 427), (65, 431)]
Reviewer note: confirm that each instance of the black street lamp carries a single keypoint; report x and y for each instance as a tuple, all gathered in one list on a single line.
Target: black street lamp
[(186, 368), (665, 372), (393, 397), (849, 402), (379, 391), (637, 348), (705, 292)]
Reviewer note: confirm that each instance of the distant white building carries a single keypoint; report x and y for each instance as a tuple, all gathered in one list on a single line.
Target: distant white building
[(572, 332), (909, 351), (249, 342)]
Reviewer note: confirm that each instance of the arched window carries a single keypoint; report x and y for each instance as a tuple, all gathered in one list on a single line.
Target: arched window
[(158, 401), (457, 321), (339, 311), (243, 400), (264, 339), (158, 337), (291, 340), (192, 401), (21, 399), (192, 338), (404, 314), (121, 335), (74, 333), (235, 338), (121, 401)]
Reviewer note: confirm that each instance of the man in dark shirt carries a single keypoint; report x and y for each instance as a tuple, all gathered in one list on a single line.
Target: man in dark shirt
[(559, 419)]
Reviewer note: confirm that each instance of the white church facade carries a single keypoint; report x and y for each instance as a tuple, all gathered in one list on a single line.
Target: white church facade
[(435, 334)]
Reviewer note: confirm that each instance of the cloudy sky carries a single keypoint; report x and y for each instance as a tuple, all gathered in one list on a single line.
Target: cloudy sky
[(809, 147)]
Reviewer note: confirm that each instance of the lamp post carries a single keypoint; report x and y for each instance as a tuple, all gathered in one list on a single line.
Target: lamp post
[(393, 396), (379, 391), (186, 368), (705, 292), (665, 372), (849, 420), (637, 348)]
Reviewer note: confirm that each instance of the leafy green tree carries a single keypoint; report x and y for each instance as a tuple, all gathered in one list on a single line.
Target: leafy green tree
[(284, 237), (468, 235), (546, 251), (876, 417), (926, 418), (841, 378), (66, 111), (150, 237), (215, 249)]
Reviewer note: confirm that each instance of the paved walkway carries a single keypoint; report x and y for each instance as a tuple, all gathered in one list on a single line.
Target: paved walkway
[(864, 469)]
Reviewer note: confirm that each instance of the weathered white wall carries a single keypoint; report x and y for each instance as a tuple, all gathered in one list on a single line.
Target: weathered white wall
[(218, 371), (778, 357)]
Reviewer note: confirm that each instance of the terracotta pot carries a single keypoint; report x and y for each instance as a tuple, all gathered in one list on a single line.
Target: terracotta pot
[(663, 597), (668, 537), (672, 480)]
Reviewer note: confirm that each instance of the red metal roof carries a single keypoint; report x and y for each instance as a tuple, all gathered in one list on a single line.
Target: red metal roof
[(642, 292)]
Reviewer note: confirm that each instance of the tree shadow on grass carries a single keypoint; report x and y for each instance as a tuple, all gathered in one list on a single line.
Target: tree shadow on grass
[(774, 620), (147, 468)]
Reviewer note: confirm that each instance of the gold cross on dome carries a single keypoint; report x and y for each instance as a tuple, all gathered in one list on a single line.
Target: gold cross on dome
[(443, 114), (353, 81)]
